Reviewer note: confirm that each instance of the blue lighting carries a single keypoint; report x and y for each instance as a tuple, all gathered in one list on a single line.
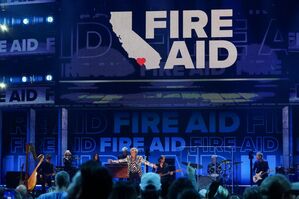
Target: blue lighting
[(49, 77), (2, 85), (24, 79), (26, 21), (3, 28), (50, 19)]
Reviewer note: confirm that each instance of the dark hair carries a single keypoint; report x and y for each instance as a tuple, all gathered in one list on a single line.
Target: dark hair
[(94, 157), (48, 157), (179, 186), (213, 189), (96, 181), (189, 194), (252, 193), (150, 192), (161, 157), (62, 179), (123, 190), (275, 186)]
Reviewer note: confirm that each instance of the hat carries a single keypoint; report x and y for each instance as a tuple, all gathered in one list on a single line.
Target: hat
[(150, 179)]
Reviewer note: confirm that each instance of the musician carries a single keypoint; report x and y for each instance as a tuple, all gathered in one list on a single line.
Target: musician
[(261, 165), (46, 172), (68, 162), (96, 158), (163, 170), (214, 167), (134, 162), (124, 153)]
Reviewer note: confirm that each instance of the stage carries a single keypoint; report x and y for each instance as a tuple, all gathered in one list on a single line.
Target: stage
[(184, 80)]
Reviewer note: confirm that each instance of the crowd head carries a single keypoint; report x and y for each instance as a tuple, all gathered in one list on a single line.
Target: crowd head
[(94, 181)]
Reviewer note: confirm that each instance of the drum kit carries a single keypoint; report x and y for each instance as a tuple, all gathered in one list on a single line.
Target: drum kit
[(223, 177)]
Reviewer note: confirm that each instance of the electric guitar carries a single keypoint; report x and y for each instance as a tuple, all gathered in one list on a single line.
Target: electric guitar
[(259, 176), (169, 172)]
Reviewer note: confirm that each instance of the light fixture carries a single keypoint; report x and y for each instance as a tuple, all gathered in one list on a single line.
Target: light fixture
[(24, 79), (26, 21), (3, 28), (49, 77), (50, 19), (2, 85)]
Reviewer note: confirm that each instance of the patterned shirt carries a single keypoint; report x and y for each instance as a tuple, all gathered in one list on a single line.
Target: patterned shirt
[(134, 165)]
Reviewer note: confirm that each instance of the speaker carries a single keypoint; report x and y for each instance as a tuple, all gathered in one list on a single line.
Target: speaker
[(13, 178)]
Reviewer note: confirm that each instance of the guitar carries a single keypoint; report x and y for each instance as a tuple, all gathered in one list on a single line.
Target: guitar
[(259, 176), (169, 172)]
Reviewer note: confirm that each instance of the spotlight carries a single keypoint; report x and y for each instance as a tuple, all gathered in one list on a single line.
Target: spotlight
[(49, 77), (26, 21), (24, 79), (3, 28), (2, 85), (50, 19)]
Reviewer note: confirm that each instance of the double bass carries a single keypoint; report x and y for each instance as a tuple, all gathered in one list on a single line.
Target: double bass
[(30, 181)]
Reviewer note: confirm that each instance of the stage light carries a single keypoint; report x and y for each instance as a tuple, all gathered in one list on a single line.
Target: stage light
[(26, 21), (49, 77), (2, 85), (3, 28), (50, 19), (24, 79)]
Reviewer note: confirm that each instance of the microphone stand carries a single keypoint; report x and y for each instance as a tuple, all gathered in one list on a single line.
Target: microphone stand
[(250, 156)]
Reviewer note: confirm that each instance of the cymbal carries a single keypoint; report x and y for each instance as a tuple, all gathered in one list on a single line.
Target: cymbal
[(194, 165), (225, 161)]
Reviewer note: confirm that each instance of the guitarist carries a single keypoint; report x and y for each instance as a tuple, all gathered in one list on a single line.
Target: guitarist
[(165, 174), (261, 167)]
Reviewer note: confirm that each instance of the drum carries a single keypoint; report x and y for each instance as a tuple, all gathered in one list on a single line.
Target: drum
[(204, 182)]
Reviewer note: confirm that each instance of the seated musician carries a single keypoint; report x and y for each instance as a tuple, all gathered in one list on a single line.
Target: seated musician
[(46, 172), (214, 167), (261, 166), (134, 162)]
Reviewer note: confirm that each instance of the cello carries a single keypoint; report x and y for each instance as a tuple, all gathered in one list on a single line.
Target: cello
[(30, 181)]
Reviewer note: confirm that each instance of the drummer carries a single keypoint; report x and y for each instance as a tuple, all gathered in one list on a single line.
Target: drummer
[(214, 167)]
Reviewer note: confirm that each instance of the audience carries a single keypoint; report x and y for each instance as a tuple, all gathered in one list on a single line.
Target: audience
[(252, 193), (92, 181), (150, 186), (189, 194), (276, 186), (178, 186), (2, 192), (62, 180), (123, 190), (22, 190), (217, 191)]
